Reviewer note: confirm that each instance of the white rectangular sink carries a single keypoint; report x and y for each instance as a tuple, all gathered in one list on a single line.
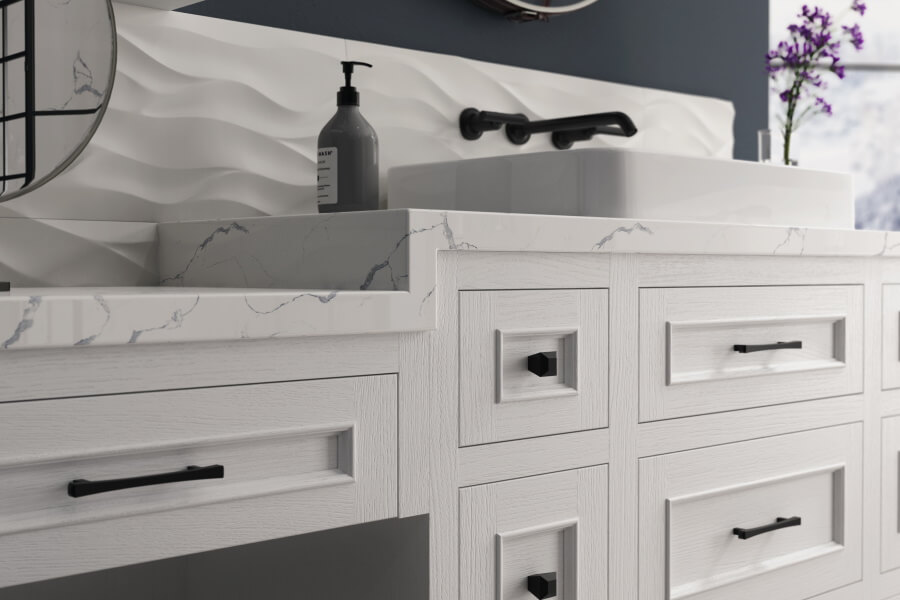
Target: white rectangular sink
[(632, 185)]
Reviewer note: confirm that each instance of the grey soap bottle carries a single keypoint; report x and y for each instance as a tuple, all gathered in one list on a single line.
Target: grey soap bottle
[(348, 155)]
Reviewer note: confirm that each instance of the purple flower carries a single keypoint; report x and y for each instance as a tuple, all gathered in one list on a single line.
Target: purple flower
[(856, 36), (823, 105), (837, 69), (812, 48)]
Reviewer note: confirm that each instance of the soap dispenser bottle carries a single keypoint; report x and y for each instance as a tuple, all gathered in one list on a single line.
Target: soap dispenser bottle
[(348, 155)]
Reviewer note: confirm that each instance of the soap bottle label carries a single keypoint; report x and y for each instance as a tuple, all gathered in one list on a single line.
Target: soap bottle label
[(328, 176)]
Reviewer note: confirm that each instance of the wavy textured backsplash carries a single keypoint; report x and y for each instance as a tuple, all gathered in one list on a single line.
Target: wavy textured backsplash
[(217, 119), (39, 252)]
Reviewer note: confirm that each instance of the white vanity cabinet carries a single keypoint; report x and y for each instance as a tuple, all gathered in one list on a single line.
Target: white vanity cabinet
[(890, 494), (890, 341), (713, 349), (777, 518), (548, 532), (578, 425), (532, 363), (89, 483)]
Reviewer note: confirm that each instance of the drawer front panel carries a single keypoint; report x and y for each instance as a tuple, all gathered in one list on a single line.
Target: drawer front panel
[(532, 363), (338, 435), (890, 498), (706, 350), (890, 337), (772, 518), (550, 524)]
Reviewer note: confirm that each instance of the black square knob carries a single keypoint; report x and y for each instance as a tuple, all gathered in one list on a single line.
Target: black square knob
[(543, 364), (4, 286), (543, 585)]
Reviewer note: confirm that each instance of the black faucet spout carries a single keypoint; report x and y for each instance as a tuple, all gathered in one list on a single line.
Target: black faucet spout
[(568, 130)]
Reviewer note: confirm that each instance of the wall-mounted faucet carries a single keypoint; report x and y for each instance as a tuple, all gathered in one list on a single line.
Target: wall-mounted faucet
[(568, 130), (565, 131), (474, 122)]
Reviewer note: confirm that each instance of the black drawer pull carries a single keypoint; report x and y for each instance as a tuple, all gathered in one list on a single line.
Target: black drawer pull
[(543, 364), (85, 487), (543, 585), (780, 523), (744, 348)]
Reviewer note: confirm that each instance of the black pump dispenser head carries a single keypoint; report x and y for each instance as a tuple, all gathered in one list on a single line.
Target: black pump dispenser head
[(347, 95)]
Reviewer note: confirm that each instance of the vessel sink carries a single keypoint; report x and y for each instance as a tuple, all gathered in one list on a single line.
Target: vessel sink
[(628, 184)]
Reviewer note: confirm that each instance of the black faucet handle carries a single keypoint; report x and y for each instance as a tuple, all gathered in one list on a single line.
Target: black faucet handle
[(474, 122)]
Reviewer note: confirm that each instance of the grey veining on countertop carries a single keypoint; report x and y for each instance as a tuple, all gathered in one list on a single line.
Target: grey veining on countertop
[(353, 273)]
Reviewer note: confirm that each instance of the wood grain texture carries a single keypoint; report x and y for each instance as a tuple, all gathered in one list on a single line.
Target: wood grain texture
[(737, 469), (532, 270), (890, 337), (264, 494), (574, 400), (623, 409), (677, 435), (432, 467), (689, 366), (890, 498), (717, 271), (92, 371), (443, 431), (415, 411), (522, 458), (554, 522)]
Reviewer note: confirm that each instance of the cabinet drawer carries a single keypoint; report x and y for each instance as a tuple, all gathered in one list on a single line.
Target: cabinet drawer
[(532, 363), (706, 350), (890, 337), (299, 457), (552, 525), (795, 499), (890, 499)]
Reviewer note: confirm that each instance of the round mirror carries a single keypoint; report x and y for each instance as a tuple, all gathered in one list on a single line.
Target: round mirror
[(532, 10), (58, 62)]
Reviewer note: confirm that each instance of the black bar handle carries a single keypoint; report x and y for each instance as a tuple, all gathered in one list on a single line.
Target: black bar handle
[(543, 364), (543, 585), (780, 523), (747, 348), (84, 487)]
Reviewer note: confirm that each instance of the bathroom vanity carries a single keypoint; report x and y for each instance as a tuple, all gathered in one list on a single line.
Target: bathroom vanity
[(615, 409)]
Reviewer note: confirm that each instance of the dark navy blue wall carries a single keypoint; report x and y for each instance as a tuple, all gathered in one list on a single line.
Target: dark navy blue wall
[(707, 47)]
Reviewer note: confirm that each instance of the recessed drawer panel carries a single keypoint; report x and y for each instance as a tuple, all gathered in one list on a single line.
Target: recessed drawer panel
[(706, 350), (532, 363), (890, 494), (890, 337), (775, 518), (521, 537), (330, 443)]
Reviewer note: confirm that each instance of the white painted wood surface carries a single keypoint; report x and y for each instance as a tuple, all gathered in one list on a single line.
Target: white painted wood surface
[(298, 457), (430, 467), (890, 494), (43, 374), (689, 365), (499, 398), (691, 500), (890, 337), (550, 523), (522, 458)]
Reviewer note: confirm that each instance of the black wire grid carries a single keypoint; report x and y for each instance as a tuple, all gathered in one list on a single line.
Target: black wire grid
[(30, 114)]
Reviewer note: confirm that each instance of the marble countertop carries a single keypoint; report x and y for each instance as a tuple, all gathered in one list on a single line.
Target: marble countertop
[(352, 273)]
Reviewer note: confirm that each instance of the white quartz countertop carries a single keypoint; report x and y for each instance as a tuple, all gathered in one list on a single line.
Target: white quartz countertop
[(376, 273)]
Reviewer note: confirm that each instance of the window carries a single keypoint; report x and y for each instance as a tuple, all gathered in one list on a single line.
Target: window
[(863, 135)]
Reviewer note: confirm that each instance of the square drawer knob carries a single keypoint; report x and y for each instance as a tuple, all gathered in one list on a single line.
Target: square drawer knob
[(543, 364), (543, 585)]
